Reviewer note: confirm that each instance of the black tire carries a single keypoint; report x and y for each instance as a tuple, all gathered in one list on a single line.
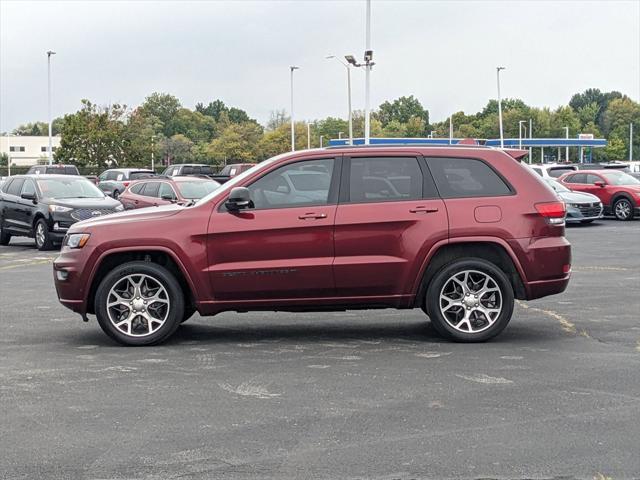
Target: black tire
[(445, 276), (189, 311), (586, 221), (159, 274), (42, 235), (5, 237), (116, 194), (623, 209)]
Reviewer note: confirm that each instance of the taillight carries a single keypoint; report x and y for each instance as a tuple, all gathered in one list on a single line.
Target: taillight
[(553, 212), (126, 184)]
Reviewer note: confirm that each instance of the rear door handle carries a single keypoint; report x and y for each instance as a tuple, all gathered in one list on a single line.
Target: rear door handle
[(312, 216), (423, 210)]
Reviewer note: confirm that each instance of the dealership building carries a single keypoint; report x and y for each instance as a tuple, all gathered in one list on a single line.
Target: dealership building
[(27, 150)]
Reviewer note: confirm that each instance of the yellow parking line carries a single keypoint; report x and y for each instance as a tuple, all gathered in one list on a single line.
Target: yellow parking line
[(40, 262)]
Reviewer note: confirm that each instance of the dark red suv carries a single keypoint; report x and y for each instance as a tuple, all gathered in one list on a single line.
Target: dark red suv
[(457, 231)]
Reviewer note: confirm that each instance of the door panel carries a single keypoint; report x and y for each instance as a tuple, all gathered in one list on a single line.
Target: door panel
[(379, 245), (272, 253)]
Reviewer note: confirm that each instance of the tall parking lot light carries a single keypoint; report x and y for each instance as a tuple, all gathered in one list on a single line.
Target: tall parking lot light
[(49, 53), (500, 107), (347, 66), (631, 142), (520, 127), (293, 133), (566, 151)]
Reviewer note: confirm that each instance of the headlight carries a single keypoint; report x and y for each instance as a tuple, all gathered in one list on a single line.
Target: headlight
[(58, 208), (76, 240), (119, 208), (574, 205)]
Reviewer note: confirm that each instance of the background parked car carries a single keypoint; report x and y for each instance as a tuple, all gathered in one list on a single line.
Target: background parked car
[(45, 206), (581, 207), (113, 182), (553, 170), (184, 169), (57, 169), (230, 171), (162, 191), (618, 191)]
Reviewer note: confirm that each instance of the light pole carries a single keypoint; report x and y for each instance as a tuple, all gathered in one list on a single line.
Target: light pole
[(566, 152), (520, 131), (340, 135), (308, 136), (347, 66), (368, 56), (500, 107), (293, 134), (450, 129), (631, 142), (530, 137), (49, 53), (152, 159), (321, 137)]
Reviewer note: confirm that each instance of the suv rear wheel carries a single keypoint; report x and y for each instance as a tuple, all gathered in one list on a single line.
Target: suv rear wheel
[(139, 303), (470, 300), (622, 209), (5, 237), (43, 239)]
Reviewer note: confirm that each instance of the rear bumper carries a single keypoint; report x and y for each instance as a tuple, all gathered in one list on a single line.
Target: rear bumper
[(546, 264)]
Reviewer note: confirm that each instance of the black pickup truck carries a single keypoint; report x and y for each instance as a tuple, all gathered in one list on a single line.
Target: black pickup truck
[(230, 171)]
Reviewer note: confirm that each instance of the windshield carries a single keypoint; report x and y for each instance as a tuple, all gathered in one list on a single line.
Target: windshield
[(196, 190), (557, 186), (620, 178), (77, 187)]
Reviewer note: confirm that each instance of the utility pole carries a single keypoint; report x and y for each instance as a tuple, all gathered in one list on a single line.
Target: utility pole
[(500, 107), (530, 137), (293, 133), (308, 136), (566, 131), (631, 142), (450, 129), (368, 56), (49, 53), (152, 159)]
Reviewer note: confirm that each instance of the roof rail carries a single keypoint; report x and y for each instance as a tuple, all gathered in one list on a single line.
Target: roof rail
[(407, 145)]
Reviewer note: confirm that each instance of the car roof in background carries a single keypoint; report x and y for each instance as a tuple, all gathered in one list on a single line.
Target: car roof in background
[(45, 176)]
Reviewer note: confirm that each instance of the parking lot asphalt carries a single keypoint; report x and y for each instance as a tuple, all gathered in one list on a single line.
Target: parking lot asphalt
[(355, 395)]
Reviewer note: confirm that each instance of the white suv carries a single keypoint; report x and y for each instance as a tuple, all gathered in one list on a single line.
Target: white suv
[(553, 170)]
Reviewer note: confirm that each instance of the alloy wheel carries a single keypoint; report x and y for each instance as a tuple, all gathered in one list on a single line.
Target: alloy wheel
[(623, 209), (470, 301), (138, 305), (41, 235)]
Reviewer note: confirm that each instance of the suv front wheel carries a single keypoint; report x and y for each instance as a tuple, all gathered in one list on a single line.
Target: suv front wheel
[(623, 209), (470, 300), (139, 303)]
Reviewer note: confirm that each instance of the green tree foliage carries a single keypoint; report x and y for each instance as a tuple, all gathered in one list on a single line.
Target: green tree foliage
[(39, 129), (176, 149), (236, 143), (161, 106), (93, 136), (193, 125), (401, 110)]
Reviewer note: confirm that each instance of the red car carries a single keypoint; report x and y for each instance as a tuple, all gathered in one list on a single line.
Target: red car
[(155, 191), (618, 191), (457, 231)]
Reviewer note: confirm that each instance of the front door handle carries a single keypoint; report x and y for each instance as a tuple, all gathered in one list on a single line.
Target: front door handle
[(312, 216), (423, 210)]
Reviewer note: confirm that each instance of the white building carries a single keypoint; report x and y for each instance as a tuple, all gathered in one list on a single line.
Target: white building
[(27, 150)]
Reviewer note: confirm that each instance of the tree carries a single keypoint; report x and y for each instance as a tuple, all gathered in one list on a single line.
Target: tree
[(274, 142), (217, 109), (4, 159), (93, 135), (193, 125), (277, 118), (401, 110), (162, 106), (564, 117), (236, 143), (615, 149), (594, 96), (176, 149), (39, 129)]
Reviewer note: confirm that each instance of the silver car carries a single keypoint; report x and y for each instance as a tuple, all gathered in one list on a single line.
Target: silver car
[(581, 207)]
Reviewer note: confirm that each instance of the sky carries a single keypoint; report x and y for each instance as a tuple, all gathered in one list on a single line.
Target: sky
[(445, 53)]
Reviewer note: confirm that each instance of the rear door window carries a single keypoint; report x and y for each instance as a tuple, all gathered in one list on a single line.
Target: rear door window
[(166, 190), (592, 179), (379, 179), (577, 178), (137, 188), (151, 189), (466, 177)]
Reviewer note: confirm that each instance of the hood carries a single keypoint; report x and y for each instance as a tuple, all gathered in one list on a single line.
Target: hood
[(138, 215), (75, 203), (578, 197)]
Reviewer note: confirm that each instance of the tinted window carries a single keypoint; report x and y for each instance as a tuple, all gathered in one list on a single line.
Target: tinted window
[(138, 175), (5, 185), (165, 189), (15, 187), (137, 188), (577, 178), (151, 189), (206, 170), (538, 171), (29, 187), (284, 188), (187, 170), (112, 175), (71, 170), (384, 178), (466, 177), (558, 172), (592, 179), (69, 187)]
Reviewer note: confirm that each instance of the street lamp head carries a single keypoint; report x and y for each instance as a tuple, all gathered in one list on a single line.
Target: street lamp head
[(368, 55), (330, 56), (50, 52), (351, 59), (293, 67), (501, 68)]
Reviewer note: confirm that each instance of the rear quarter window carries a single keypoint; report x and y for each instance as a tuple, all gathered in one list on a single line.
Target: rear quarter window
[(466, 177)]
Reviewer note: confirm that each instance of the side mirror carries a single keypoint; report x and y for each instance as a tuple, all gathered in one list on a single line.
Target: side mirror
[(239, 199), (168, 197), (599, 183), (29, 196)]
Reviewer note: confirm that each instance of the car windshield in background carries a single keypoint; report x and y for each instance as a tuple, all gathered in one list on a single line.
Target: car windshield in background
[(196, 190), (620, 178), (69, 188), (310, 181), (139, 175), (557, 186)]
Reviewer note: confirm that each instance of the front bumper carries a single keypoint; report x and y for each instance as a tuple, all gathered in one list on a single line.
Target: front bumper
[(582, 213)]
